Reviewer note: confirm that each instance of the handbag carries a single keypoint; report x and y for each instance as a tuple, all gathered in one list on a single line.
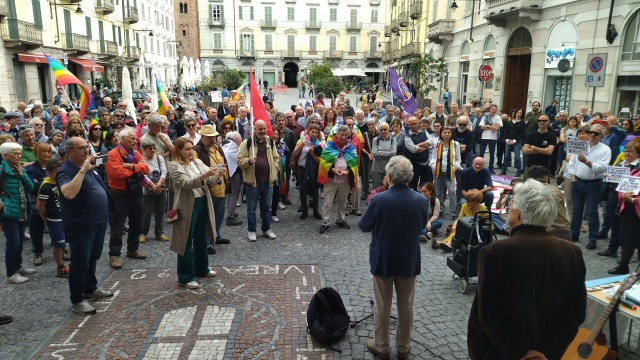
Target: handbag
[(134, 187), (173, 216)]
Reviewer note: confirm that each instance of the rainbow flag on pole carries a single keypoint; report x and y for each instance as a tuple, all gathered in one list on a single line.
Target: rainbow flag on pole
[(65, 77), (163, 100)]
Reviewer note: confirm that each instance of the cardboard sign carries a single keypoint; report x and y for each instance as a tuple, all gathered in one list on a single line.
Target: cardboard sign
[(577, 147), (216, 96), (614, 173), (629, 184)]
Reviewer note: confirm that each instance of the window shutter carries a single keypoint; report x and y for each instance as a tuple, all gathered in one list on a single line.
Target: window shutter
[(221, 6), (240, 12), (113, 29), (241, 43), (252, 43), (37, 13), (138, 40), (251, 12), (119, 36), (88, 21)]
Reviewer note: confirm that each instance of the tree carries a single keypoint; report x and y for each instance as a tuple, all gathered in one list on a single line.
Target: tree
[(218, 79), (319, 71), (331, 86), (428, 70)]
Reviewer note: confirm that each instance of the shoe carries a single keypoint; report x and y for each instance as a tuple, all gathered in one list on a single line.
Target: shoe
[(583, 229), (492, 172), (269, 234), (211, 273), (301, 209), (83, 308), (17, 279), (423, 239), (275, 219), (37, 259), (98, 294), (5, 319), (603, 235), (304, 215), (286, 202), (232, 221), (608, 253), (429, 234), (591, 245), (136, 255), (62, 272), (363, 197), (317, 216), (211, 250), (324, 229), (371, 346), (223, 241), (356, 212), (445, 247), (343, 224), (142, 238), (403, 355), (238, 203), (25, 271), (281, 206), (435, 243), (618, 270), (252, 236), (503, 173), (575, 238), (191, 285), (114, 262), (498, 166), (518, 174), (162, 237), (66, 255)]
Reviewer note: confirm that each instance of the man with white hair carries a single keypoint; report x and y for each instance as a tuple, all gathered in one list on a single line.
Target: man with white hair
[(164, 147), (379, 109), (38, 126), (242, 122), (548, 274), (438, 115), (584, 111)]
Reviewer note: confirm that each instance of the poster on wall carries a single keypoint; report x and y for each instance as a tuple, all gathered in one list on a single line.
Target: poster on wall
[(553, 56)]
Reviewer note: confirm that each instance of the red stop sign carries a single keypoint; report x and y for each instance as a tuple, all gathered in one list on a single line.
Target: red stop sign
[(485, 73)]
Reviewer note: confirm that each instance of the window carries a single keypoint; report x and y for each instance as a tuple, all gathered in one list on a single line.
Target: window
[(246, 12), (146, 43), (333, 42), (246, 43), (142, 12), (290, 13), (313, 43), (490, 46), (291, 43), (434, 16), (353, 43), (374, 15), (353, 16), (313, 14), (185, 8), (268, 42), (217, 41), (373, 44), (184, 32), (333, 14), (88, 22), (151, 44), (216, 12), (631, 40), (268, 13)]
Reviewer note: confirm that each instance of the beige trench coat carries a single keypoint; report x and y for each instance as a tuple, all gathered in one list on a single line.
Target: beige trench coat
[(182, 185)]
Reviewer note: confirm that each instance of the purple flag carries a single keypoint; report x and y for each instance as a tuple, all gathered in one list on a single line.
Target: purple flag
[(401, 90)]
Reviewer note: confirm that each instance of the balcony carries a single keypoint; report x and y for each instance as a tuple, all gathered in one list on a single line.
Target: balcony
[(373, 55), (354, 25), (404, 19), (132, 52), (130, 15), (394, 26), (218, 53), (333, 54), (269, 54), (415, 11), (290, 1), (411, 50), (244, 53), (216, 21), (313, 24), (387, 31), (374, 2), (441, 30), (291, 54), (498, 11), (334, 2), (268, 24), (312, 54), (75, 42), (354, 55), (104, 7), (106, 48), (15, 32)]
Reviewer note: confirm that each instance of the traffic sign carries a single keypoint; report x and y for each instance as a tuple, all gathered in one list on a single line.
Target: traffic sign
[(596, 68), (485, 73)]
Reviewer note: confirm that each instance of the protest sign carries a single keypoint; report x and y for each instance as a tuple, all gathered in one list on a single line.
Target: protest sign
[(577, 147), (614, 173), (629, 184), (216, 96)]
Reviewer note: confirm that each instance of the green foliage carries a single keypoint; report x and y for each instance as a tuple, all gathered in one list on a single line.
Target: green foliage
[(429, 70), (329, 86), (219, 78), (114, 73), (318, 72)]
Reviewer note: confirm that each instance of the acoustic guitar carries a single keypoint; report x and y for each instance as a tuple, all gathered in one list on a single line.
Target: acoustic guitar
[(585, 344)]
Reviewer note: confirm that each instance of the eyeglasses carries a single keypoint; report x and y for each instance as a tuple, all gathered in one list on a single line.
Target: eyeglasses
[(38, 125), (462, 125), (191, 125), (594, 133), (288, 117), (119, 116), (543, 121), (97, 129), (384, 129), (226, 128)]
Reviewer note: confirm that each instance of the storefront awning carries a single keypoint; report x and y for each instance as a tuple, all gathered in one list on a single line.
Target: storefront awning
[(86, 65), (375, 70), (394, 64), (32, 58), (349, 72)]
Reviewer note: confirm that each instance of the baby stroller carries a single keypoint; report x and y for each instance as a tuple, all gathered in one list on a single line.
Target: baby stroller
[(472, 234)]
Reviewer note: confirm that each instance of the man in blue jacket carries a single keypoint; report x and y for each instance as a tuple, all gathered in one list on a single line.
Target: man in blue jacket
[(396, 217)]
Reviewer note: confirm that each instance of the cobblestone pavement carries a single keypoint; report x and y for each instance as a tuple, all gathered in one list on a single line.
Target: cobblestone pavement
[(41, 307)]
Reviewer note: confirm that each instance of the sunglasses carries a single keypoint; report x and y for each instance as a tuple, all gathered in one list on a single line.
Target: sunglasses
[(543, 121), (38, 125), (462, 125), (97, 129), (191, 125), (594, 133), (226, 128)]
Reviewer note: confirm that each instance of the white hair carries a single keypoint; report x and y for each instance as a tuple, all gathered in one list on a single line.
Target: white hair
[(233, 136), (536, 204), (9, 147), (359, 112), (126, 132), (400, 170)]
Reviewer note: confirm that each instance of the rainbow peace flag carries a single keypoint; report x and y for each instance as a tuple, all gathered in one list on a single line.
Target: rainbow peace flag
[(240, 90), (163, 100), (329, 155), (94, 119), (65, 77)]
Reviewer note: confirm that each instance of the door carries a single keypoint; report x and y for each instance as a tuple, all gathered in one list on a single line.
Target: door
[(43, 82), (269, 77), (516, 82)]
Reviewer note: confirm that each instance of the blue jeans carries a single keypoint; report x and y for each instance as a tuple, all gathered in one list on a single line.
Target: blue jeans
[(263, 193), (487, 200), (492, 150), (435, 225), (218, 210), (86, 247), (507, 157), (14, 234), (589, 193), (36, 231)]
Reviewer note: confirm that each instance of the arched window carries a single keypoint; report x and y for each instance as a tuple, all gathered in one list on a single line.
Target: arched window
[(185, 8), (465, 50), (488, 58), (181, 8), (630, 46)]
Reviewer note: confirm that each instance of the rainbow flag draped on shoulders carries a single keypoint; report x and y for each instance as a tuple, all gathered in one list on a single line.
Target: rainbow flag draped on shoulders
[(163, 100), (65, 77), (329, 155)]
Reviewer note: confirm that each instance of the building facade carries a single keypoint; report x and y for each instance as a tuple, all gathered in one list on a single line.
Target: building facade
[(86, 36), (280, 39), (187, 29), (524, 42)]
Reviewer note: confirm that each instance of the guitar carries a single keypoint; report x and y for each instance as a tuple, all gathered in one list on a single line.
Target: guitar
[(584, 346)]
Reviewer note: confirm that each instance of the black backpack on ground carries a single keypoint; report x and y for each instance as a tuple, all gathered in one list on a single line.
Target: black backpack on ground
[(327, 318)]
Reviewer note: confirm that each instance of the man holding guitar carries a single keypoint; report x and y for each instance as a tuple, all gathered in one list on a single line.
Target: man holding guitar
[(531, 295)]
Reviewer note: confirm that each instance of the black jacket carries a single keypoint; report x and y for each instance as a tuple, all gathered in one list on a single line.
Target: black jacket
[(515, 131)]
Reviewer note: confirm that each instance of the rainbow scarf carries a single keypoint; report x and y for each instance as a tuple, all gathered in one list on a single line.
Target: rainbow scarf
[(329, 155), (65, 77), (450, 160), (163, 100)]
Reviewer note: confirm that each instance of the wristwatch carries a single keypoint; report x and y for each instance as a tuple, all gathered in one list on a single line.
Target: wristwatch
[(82, 171)]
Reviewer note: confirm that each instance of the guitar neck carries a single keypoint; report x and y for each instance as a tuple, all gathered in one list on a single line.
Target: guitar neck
[(605, 316)]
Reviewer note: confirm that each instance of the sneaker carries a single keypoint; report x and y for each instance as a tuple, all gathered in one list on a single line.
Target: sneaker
[(324, 229), (281, 206), (98, 294), (66, 255), (356, 212), (5, 319), (162, 237), (232, 221), (317, 216), (252, 236), (211, 273), (136, 255), (62, 272), (286, 202), (211, 250), (238, 203), (275, 219), (343, 224), (429, 234), (423, 238), (114, 262), (269, 234), (83, 308), (37, 259), (445, 247), (25, 271), (435, 243), (17, 279), (142, 238), (191, 285), (371, 346), (223, 241)]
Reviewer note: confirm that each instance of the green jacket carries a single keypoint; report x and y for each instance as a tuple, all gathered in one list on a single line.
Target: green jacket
[(11, 191)]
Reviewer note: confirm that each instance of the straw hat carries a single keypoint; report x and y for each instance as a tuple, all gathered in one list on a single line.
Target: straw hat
[(208, 130)]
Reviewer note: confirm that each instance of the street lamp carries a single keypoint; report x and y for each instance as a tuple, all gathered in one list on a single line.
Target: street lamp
[(150, 31)]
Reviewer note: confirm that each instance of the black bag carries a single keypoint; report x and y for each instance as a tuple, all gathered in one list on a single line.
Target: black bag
[(327, 318), (134, 187)]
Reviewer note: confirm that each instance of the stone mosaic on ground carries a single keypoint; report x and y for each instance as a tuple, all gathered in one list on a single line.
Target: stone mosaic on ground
[(246, 312)]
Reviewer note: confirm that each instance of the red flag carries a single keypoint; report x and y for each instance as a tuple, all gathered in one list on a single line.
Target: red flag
[(333, 102), (258, 112)]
